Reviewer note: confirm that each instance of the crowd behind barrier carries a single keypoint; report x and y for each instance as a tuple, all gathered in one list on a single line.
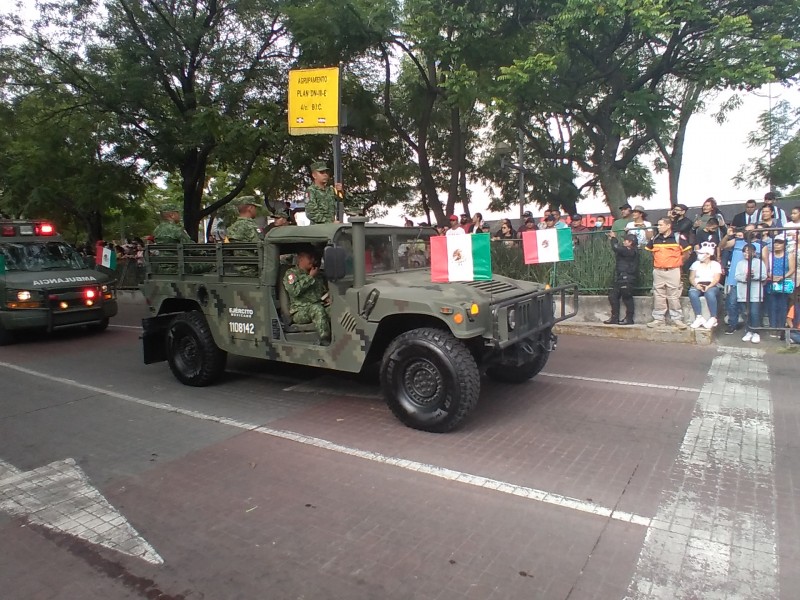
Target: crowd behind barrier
[(770, 290)]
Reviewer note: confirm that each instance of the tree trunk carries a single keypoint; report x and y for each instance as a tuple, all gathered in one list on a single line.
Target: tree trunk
[(193, 171), (611, 183), (94, 226)]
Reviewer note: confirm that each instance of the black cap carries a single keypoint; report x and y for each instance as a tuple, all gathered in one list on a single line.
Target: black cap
[(626, 205), (576, 217), (632, 238), (527, 213)]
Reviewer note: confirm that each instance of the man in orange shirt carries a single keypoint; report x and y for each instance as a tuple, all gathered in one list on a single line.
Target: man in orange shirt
[(670, 250)]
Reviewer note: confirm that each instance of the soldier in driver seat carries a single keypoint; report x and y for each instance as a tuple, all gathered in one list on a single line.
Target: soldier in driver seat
[(308, 298)]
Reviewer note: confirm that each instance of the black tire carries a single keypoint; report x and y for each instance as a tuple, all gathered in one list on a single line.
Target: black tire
[(6, 337), (98, 327), (193, 356), (519, 373), (430, 380)]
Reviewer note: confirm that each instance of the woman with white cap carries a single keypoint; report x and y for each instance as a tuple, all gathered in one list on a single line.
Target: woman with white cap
[(704, 277)]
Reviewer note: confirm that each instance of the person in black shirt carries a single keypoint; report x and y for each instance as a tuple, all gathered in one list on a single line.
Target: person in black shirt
[(680, 222), (625, 270)]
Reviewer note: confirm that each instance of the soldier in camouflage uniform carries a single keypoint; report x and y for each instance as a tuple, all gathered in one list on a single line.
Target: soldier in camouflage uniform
[(321, 200), (170, 230), (306, 291), (244, 229)]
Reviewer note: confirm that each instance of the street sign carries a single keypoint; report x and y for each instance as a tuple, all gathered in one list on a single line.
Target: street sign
[(314, 101)]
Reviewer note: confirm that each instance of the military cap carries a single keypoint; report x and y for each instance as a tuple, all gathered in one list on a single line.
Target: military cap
[(170, 208), (280, 213), (243, 200), (319, 166)]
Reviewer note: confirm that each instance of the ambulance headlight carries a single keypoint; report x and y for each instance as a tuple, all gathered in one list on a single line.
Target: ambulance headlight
[(23, 295), (512, 319)]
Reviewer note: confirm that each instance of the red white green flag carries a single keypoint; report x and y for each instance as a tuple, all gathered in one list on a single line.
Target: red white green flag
[(547, 245), (109, 258), (461, 258)]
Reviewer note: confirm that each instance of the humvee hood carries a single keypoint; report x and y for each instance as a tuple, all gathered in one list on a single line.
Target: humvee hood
[(49, 279), (417, 284)]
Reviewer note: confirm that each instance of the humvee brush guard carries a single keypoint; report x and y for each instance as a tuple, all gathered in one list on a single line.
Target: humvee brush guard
[(432, 341)]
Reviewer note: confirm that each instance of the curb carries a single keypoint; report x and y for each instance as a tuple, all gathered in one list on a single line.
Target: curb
[(669, 334)]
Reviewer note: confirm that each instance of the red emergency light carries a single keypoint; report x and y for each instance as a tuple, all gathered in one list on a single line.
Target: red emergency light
[(45, 229), (8, 231), (89, 294)]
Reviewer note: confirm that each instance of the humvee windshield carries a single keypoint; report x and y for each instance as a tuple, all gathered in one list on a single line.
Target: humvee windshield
[(386, 253), (40, 256)]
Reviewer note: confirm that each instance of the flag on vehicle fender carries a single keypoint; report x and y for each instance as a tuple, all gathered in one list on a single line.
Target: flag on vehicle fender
[(547, 245), (461, 258), (109, 258)]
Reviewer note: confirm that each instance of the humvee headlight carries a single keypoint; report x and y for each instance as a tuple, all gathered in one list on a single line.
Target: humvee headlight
[(23, 295), (474, 309), (512, 319)]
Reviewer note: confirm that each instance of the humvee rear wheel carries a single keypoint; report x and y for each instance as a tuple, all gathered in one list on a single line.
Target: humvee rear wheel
[(429, 379), (193, 356), (519, 373)]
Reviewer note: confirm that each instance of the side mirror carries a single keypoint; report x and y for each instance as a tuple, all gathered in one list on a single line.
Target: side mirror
[(335, 259)]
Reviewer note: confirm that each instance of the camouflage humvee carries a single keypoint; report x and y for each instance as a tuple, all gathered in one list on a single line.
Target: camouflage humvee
[(432, 341), (45, 284)]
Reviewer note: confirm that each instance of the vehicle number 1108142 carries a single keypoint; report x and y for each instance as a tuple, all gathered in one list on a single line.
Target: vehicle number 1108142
[(237, 327)]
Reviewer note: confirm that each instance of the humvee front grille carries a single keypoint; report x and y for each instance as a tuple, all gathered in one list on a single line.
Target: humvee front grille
[(492, 286)]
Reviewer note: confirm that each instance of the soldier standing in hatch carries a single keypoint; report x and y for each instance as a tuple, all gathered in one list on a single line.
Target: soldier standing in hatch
[(308, 299), (170, 230), (321, 199), (244, 229)]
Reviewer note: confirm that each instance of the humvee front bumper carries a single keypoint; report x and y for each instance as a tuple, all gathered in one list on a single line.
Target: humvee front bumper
[(521, 319)]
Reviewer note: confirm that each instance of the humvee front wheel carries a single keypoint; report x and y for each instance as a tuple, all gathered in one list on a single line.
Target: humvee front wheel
[(429, 379), (193, 356)]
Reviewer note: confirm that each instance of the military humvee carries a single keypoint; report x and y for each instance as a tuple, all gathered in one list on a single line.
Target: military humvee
[(44, 283), (431, 341)]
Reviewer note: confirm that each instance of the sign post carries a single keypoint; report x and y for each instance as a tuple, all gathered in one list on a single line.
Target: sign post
[(314, 101), (314, 108)]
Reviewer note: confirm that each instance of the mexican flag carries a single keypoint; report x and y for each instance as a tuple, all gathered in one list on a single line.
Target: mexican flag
[(547, 245), (109, 258), (465, 257)]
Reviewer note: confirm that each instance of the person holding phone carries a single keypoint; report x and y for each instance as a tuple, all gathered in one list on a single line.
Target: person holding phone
[(704, 277), (308, 298)]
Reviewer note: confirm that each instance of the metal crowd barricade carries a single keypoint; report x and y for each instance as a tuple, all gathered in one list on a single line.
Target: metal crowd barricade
[(777, 297)]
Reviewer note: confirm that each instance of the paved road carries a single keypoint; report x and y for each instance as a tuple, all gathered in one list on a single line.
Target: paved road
[(627, 470)]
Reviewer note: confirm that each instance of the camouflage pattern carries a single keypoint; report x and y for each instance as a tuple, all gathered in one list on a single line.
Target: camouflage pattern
[(305, 298), (168, 232), (244, 230), (321, 204), (244, 315)]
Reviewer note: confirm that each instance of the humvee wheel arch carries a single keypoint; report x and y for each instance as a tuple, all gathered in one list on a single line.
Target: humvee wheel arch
[(193, 356), (430, 379)]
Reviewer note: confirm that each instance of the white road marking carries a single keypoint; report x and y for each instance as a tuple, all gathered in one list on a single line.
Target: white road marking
[(714, 535), (658, 386), (410, 465), (59, 496)]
